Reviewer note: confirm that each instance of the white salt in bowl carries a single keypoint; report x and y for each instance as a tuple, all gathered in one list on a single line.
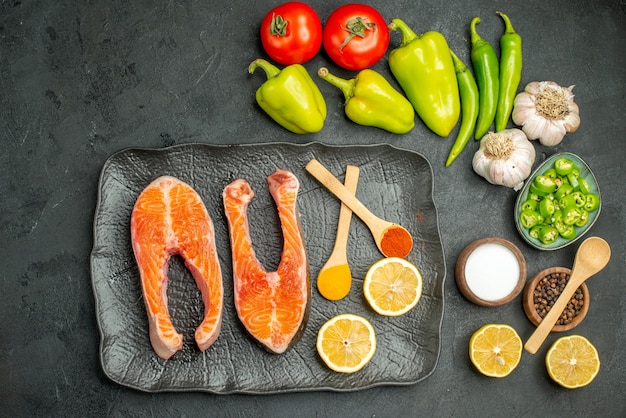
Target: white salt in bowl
[(491, 271)]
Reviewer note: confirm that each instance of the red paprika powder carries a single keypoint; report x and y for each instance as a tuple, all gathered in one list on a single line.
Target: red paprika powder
[(396, 242)]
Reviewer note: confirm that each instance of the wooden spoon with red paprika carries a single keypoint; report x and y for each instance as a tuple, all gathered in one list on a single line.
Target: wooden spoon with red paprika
[(391, 239)]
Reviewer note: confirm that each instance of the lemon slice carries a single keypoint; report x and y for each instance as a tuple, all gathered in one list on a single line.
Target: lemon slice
[(392, 286), (346, 343), (572, 361), (495, 350)]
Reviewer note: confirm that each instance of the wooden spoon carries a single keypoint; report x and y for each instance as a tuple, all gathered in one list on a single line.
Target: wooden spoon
[(592, 255), (391, 239), (335, 278)]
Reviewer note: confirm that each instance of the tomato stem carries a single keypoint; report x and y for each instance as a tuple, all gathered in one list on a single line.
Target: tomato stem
[(356, 27), (278, 26)]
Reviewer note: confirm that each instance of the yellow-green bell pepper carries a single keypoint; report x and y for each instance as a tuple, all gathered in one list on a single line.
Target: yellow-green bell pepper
[(425, 71), (290, 97), (372, 101)]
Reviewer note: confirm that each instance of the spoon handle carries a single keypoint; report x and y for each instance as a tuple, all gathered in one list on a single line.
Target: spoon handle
[(545, 326), (321, 173), (345, 213), (592, 256)]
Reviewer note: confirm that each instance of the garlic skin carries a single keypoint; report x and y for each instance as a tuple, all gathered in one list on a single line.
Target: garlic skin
[(546, 111), (505, 158)]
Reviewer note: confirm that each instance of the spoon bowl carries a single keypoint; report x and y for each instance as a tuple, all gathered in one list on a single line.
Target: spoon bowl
[(592, 256)]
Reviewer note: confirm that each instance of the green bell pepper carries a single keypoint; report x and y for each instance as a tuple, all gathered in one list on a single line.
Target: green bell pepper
[(290, 97), (372, 101), (423, 67)]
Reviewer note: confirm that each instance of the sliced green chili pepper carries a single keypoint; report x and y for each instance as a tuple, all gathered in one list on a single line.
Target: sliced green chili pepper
[(572, 177), (548, 234), (571, 215), (529, 218), (551, 172), (584, 218), (486, 67), (563, 166), (546, 208), (371, 101), (573, 199), (510, 72), (564, 190), (568, 232), (583, 186), (530, 204), (534, 231), (592, 201), (468, 91), (557, 217), (544, 184), (290, 97), (423, 67)]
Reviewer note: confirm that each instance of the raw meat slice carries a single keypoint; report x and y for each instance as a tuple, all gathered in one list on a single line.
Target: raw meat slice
[(169, 218), (273, 306)]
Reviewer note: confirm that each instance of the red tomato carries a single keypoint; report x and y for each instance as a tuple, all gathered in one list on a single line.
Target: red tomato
[(355, 36), (291, 33)]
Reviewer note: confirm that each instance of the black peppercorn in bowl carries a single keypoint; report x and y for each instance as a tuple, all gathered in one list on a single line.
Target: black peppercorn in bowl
[(544, 288)]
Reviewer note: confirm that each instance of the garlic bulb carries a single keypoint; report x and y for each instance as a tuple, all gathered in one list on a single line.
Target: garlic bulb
[(546, 111), (505, 158)]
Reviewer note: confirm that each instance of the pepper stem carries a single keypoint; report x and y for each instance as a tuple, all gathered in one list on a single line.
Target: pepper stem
[(346, 86), (270, 69), (508, 26), (475, 37), (408, 35), (459, 65)]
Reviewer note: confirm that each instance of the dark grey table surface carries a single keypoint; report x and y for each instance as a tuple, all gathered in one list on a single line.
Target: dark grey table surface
[(83, 80)]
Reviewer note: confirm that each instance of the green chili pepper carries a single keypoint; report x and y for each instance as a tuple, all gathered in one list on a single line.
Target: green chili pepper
[(564, 190), (530, 204), (535, 230), (583, 186), (573, 199), (548, 234), (510, 72), (572, 179), (530, 218), (546, 208), (290, 97), (550, 173), (486, 67), (544, 184), (372, 101), (563, 166), (468, 91), (592, 201), (571, 215), (568, 232), (423, 67), (584, 218)]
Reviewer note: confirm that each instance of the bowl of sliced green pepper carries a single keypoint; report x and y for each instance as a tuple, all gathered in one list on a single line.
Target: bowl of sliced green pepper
[(559, 202)]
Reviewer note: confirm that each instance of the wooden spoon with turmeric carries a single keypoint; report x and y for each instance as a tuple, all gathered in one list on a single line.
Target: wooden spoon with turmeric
[(335, 278)]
